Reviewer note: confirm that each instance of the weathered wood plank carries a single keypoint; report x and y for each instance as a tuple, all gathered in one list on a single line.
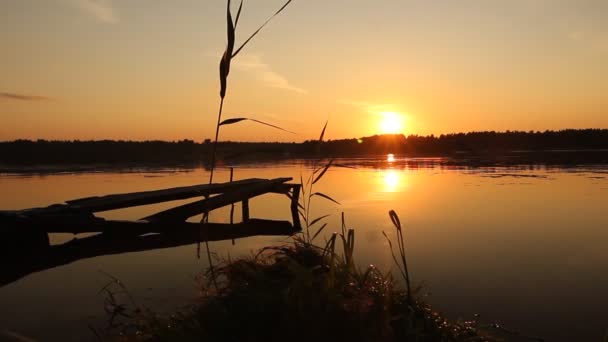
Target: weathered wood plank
[(295, 199), (183, 212), (119, 201), (245, 210)]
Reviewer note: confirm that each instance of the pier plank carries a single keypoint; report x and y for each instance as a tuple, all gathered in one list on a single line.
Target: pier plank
[(119, 201), (183, 212)]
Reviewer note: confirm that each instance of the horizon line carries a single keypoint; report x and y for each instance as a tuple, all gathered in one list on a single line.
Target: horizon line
[(307, 140)]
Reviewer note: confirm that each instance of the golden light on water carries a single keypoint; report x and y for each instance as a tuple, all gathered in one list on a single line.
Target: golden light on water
[(392, 180), (391, 123), (390, 157)]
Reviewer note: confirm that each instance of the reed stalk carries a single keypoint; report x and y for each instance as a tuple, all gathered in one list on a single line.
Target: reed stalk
[(401, 264), (224, 69)]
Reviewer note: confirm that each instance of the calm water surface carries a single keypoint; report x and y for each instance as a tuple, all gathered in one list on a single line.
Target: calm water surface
[(522, 246)]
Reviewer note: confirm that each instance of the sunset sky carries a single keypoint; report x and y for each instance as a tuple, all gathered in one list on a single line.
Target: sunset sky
[(148, 69)]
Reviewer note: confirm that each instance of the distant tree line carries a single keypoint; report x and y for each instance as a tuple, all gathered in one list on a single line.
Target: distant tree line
[(23, 152), (473, 142)]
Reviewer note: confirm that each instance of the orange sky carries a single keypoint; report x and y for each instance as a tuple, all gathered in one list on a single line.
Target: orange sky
[(148, 69)]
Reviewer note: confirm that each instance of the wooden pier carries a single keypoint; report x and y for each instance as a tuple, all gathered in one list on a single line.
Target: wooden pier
[(78, 216), (24, 233)]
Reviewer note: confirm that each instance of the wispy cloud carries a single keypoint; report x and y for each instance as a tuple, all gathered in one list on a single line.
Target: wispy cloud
[(102, 10), (23, 97), (595, 40), (263, 72), (575, 35)]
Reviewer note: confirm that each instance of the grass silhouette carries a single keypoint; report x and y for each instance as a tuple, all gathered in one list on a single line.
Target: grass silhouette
[(225, 62), (298, 291)]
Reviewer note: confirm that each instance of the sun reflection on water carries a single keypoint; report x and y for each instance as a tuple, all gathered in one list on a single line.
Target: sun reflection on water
[(392, 180), (390, 157)]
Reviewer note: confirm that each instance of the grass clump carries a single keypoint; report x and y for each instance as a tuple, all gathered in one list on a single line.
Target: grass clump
[(300, 292)]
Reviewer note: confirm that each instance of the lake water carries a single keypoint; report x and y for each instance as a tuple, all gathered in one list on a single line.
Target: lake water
[(523, 246)]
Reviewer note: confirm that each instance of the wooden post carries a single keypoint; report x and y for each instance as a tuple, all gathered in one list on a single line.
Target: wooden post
[(295, 198), (232, 205), (245, 205), (183, 212)]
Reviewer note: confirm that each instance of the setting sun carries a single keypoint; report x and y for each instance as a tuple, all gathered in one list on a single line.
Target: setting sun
[(391, 123)]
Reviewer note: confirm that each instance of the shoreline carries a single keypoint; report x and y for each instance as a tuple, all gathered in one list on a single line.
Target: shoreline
[(553, 158)]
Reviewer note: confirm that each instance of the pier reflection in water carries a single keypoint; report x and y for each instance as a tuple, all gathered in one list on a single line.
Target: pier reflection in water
[(32, 252)]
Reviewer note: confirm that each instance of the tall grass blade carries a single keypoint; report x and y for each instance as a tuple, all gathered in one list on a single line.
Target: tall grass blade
[(401, 244), (309, 179), (330, 247), (227, 57), (318, 219), (323, 131), (231, 121), (238, 15), (351, 242), (235, 120), (348, 246), (302, 186), (393, 215), (344, 166), (260, 28), (343, 225), (390, 245), (318, 231), (320, 194), (303, 215), (323, 172)]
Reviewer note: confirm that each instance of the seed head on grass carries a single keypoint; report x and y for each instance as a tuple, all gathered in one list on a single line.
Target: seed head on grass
[(401, 264), (227, 57)]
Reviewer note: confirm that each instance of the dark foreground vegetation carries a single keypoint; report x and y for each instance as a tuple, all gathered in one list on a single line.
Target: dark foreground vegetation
[(41, 152), (298, 292)]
